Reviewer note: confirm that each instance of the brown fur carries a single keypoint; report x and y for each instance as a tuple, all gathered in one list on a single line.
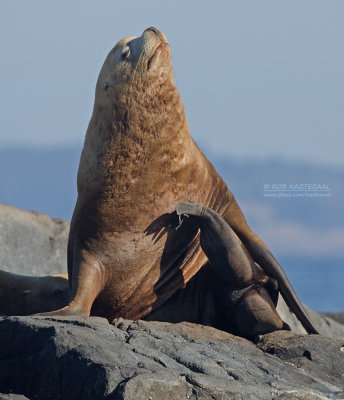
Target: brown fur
[(137, 163), (26, 295)]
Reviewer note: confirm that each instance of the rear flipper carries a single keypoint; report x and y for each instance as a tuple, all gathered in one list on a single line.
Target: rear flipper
[(249, 308), (261, 254), (255, 314), (222, 246)]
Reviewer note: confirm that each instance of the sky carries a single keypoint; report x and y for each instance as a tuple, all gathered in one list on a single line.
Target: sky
[(259, 79)]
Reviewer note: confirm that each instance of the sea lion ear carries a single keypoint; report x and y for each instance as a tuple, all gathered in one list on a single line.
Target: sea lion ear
[(106, 86)]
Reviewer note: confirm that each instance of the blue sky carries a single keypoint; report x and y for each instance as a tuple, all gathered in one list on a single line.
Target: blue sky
[(259, 79)]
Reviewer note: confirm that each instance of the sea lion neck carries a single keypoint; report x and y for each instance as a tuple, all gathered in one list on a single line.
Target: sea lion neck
[(136, 96), (147, 110), (147, 123), (138, 118)]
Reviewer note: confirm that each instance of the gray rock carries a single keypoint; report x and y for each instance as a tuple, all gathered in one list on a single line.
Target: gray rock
[(35, 244), (322, 357), (338, 317), (32, 243), (88, 358), (289, 317), (325, 323)]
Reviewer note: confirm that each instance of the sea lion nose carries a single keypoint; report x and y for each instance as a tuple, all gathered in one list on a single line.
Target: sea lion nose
[(156, 31)]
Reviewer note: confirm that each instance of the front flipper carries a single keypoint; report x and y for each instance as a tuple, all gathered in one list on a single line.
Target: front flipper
[(248, 308), (87, 281)]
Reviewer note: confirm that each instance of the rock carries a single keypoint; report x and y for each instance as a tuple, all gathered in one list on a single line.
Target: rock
[(321, 356), (35, 244), (32, 243), (338, 317), (88, 358), (325, 323), (289, 317), (326, 326)]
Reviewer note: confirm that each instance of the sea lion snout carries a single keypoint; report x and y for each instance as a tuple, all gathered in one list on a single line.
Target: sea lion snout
[(156, 51), (158, 33), (152, 40), (143, 50)]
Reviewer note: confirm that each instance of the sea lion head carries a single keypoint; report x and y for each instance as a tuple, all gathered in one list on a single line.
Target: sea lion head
[(142, 60), (26, 295), (44, 294)]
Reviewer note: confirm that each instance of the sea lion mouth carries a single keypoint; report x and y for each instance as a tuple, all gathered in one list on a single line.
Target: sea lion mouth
[(154, 55)]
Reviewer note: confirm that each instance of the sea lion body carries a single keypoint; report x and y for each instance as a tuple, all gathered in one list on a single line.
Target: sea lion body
[(140, 271), (138, 162), (26, 295)]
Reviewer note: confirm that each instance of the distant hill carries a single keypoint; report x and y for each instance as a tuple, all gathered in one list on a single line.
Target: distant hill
[(298, 224), (45, 180), (306, 234), (40, 179), (247, 180)]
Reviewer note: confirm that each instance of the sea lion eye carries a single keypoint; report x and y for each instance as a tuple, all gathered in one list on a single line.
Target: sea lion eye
[(125, 53), (106, 86)]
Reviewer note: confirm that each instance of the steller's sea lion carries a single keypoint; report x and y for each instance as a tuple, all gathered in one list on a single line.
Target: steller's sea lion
[(138, 162), (26, 295)]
